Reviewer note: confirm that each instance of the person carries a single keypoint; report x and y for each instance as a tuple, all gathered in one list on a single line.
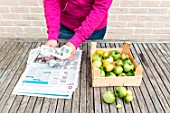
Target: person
[(75, 20)]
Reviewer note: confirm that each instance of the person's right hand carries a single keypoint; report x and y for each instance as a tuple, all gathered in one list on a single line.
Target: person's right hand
[(51, 43)]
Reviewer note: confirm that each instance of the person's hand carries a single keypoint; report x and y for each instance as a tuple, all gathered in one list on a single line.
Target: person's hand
[(51, 43), (73, 50)]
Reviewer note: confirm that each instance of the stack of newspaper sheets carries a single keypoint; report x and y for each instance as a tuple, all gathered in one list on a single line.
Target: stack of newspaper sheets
[(42, 80)]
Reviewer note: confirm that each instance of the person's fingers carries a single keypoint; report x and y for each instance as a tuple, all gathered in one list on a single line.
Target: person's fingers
[(71, 56)]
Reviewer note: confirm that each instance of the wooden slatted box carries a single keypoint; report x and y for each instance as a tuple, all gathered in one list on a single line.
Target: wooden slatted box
[(98, 81)]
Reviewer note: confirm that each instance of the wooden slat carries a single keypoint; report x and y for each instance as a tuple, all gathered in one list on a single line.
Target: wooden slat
[(105, 106), (83, 95), (8, 86), (145, 83), (45, 105), (38, 105), (3, 46), (152, 80), (90, 99)]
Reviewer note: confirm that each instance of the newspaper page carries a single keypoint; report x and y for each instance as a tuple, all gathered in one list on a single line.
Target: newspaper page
[(40, 79)]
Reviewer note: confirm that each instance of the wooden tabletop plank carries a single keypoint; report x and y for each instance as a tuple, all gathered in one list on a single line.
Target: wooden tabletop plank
[(8, 86), (45, 105), (105, 106), (90, 89), (146, 84), (151, 75), (112, 107), (38, 105), (4, 46)]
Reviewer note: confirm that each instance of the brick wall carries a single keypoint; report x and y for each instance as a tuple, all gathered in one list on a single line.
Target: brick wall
[(137, 19)]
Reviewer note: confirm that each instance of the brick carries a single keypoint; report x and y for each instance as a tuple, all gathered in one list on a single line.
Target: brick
[(11, 16), (161, 31), (8, 35), (165, 4), (133, 37), (135, 24), (127, 18), (119, 30), (114, 36), (112, 17), (32, 30), (143, 31), (117, 24), (22, 23), (163, 18), (14, 29), (31, 35), (30, 17), (166, 24), (4, 9), (39, 23), (151, 37), (154, 25), (9, 2), (118, 10), (19, 9), (129, 3), (146, 18), (28, 2), (44, 30), (150, 3), (138, 11), (158, 11), (2, 29), (165, 37), (5, 23), (36, 9), (115, 3)]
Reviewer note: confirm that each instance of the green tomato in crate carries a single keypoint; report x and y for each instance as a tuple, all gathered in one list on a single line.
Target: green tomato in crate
[(97, 63), (109, 97), (118, 70), (128, 67), (105, 55), (128, 98), (109, 59), (130, 73), (115, 54), (127, 60), (110, 74), (96, 57), (119, 62), (122, 75), (102, 73), (124, 56), (109, 67), (121, 92), (100, 52)]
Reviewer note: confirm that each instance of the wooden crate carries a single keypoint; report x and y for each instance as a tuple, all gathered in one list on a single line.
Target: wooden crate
[(98, 81)]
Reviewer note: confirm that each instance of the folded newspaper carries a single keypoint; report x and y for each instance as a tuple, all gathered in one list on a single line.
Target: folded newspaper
[(47, 74)]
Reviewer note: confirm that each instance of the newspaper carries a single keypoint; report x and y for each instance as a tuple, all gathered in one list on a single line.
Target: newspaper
[(43, 80)]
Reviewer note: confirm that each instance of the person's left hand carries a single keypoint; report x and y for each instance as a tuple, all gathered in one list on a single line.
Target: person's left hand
[(73, 50)]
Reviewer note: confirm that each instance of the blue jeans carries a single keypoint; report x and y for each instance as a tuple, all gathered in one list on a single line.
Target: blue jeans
[(66, 33)]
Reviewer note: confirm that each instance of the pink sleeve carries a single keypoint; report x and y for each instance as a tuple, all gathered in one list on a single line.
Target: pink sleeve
[(52, 14), (100, 9)]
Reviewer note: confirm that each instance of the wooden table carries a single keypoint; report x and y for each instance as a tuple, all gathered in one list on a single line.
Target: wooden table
[(153, 96)]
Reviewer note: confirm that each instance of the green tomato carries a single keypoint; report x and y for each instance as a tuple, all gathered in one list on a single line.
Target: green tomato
[(100, 52), (97, 63), (110, 74), (109, 67), (130, 73), (109, 59), (119, 62), (121, 92), (118, 106), (128, 98), (122, 74), (105, 55), (127, 67), (118, 70), (109, 97), (124, 56), (115, 54), (102, 73), (96, 57), (127, 60)]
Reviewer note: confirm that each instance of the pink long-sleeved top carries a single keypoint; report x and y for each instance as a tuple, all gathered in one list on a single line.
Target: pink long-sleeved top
[(81, 16)]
